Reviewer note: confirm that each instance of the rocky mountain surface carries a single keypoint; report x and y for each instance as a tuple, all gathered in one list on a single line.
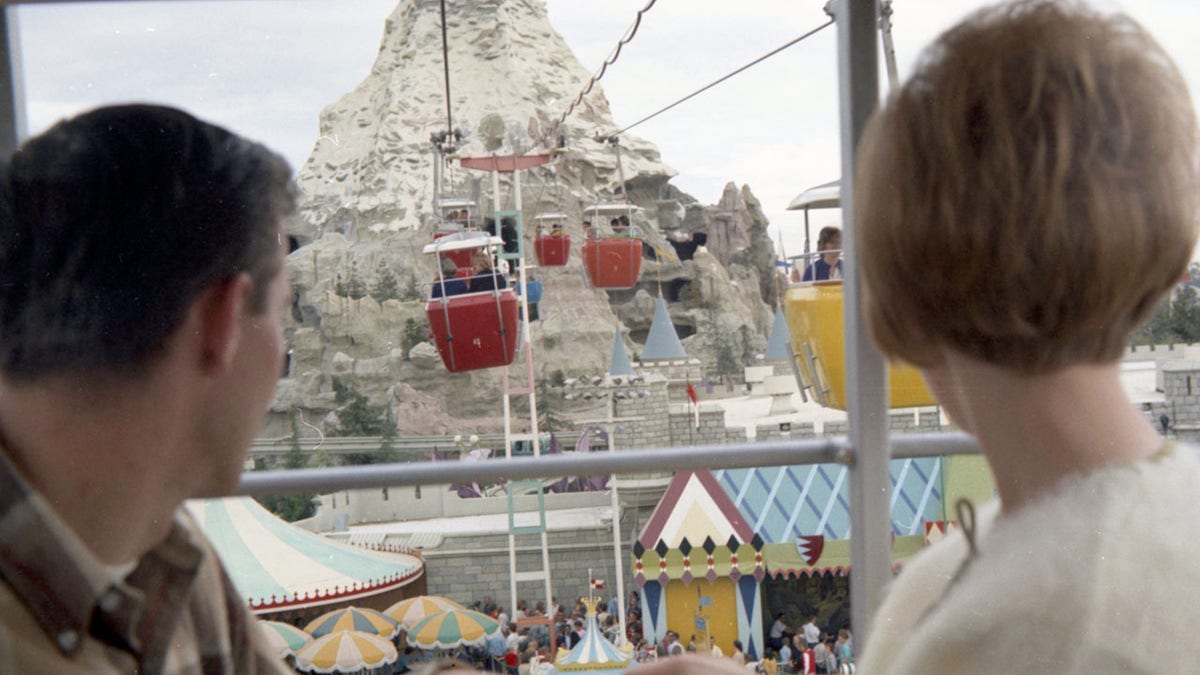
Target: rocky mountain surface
[(367, 209)]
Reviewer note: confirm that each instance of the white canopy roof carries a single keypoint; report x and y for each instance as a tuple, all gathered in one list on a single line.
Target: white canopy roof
[(824, 196), (610, 209), (461, 240), (456, 203)]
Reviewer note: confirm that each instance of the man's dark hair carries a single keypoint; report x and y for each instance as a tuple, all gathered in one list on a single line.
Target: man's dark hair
[(113, 222)]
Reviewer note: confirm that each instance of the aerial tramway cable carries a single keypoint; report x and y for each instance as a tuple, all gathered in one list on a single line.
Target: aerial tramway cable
[(714, 83), (446, 68), (612, 58), (629, 35)]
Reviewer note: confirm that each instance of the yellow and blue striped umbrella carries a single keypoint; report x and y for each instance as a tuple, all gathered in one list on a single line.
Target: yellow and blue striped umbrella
[(408, 612), (283, 638), (353, 618), (452, 628), (346, 651)]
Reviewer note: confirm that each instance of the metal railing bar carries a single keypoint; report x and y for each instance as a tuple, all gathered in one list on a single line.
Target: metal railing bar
[(728, 456)]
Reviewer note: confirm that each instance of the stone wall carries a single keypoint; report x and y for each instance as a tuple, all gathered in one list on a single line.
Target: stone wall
[(1181, 387), (473, 567)]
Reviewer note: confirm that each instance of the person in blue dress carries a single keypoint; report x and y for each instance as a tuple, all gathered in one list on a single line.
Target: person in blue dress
[(448, 285), (829, 265)]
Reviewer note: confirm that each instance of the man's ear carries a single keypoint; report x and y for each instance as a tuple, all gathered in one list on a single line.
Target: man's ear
[(218, 313)]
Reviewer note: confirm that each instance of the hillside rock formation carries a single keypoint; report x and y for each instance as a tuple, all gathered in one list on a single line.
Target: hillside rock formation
[(367, 209)]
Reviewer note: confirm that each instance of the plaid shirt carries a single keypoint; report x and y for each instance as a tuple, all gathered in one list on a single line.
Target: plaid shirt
[(63, 611)]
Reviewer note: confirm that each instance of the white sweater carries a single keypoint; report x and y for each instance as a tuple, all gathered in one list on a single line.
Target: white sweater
[(1102, 576)]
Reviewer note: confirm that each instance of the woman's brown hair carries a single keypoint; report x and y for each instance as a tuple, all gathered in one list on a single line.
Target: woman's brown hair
[(1029, 195)]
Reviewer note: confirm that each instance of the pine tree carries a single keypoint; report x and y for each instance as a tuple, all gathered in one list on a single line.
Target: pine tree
[(355, 288), (292, 507), (386, 286), (549, 417), (412, 290), (413, 335), (356, 416), (724, 350), (1175, 321)]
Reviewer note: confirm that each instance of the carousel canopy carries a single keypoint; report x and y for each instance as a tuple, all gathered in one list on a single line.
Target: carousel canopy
[(277, 566), (593, 654)]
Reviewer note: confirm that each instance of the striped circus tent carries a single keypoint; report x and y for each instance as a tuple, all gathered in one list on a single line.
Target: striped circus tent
[(408, 612), (452, 628), (347, 651), (594, 653), (277, 566), (353, 618)]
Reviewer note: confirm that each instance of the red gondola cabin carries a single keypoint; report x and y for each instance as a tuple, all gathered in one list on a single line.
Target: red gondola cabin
[(613, 260), (472, 330)]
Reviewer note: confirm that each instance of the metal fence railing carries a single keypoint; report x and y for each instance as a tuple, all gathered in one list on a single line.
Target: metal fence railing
[(727, 456)]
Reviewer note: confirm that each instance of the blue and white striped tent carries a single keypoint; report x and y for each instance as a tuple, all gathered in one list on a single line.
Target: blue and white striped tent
[(277, 566), (594, 654)]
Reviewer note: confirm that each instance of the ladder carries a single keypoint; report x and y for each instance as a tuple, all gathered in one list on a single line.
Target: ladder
[(517, 385)]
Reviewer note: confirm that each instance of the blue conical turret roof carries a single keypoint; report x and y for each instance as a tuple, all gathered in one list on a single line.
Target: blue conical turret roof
[(663, 342), (620, 363), (781, 337)]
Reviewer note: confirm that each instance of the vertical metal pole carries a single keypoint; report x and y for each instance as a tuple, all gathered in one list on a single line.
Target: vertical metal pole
[(618, 563), (437, 184), (12, 90), (512, 575), (889, 48), (866, 378)]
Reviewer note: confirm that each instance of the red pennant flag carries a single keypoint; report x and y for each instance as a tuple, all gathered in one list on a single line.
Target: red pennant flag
[(691, 392), (597, 584)]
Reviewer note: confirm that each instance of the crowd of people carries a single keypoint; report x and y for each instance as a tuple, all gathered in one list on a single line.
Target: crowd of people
[(522, 645)]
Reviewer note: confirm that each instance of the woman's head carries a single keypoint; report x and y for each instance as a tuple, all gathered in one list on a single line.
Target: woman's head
[(1029, 194), (830, 238)]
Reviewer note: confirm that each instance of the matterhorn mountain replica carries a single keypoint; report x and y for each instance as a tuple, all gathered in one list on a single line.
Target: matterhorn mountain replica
[(367, 209)]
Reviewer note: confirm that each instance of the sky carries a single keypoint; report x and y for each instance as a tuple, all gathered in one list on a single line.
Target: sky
[(266, 68)]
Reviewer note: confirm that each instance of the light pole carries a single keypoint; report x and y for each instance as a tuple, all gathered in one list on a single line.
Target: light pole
[(610, 388)]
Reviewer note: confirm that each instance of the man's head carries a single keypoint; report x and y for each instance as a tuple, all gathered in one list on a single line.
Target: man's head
[(1029, 194), (114, 222)]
